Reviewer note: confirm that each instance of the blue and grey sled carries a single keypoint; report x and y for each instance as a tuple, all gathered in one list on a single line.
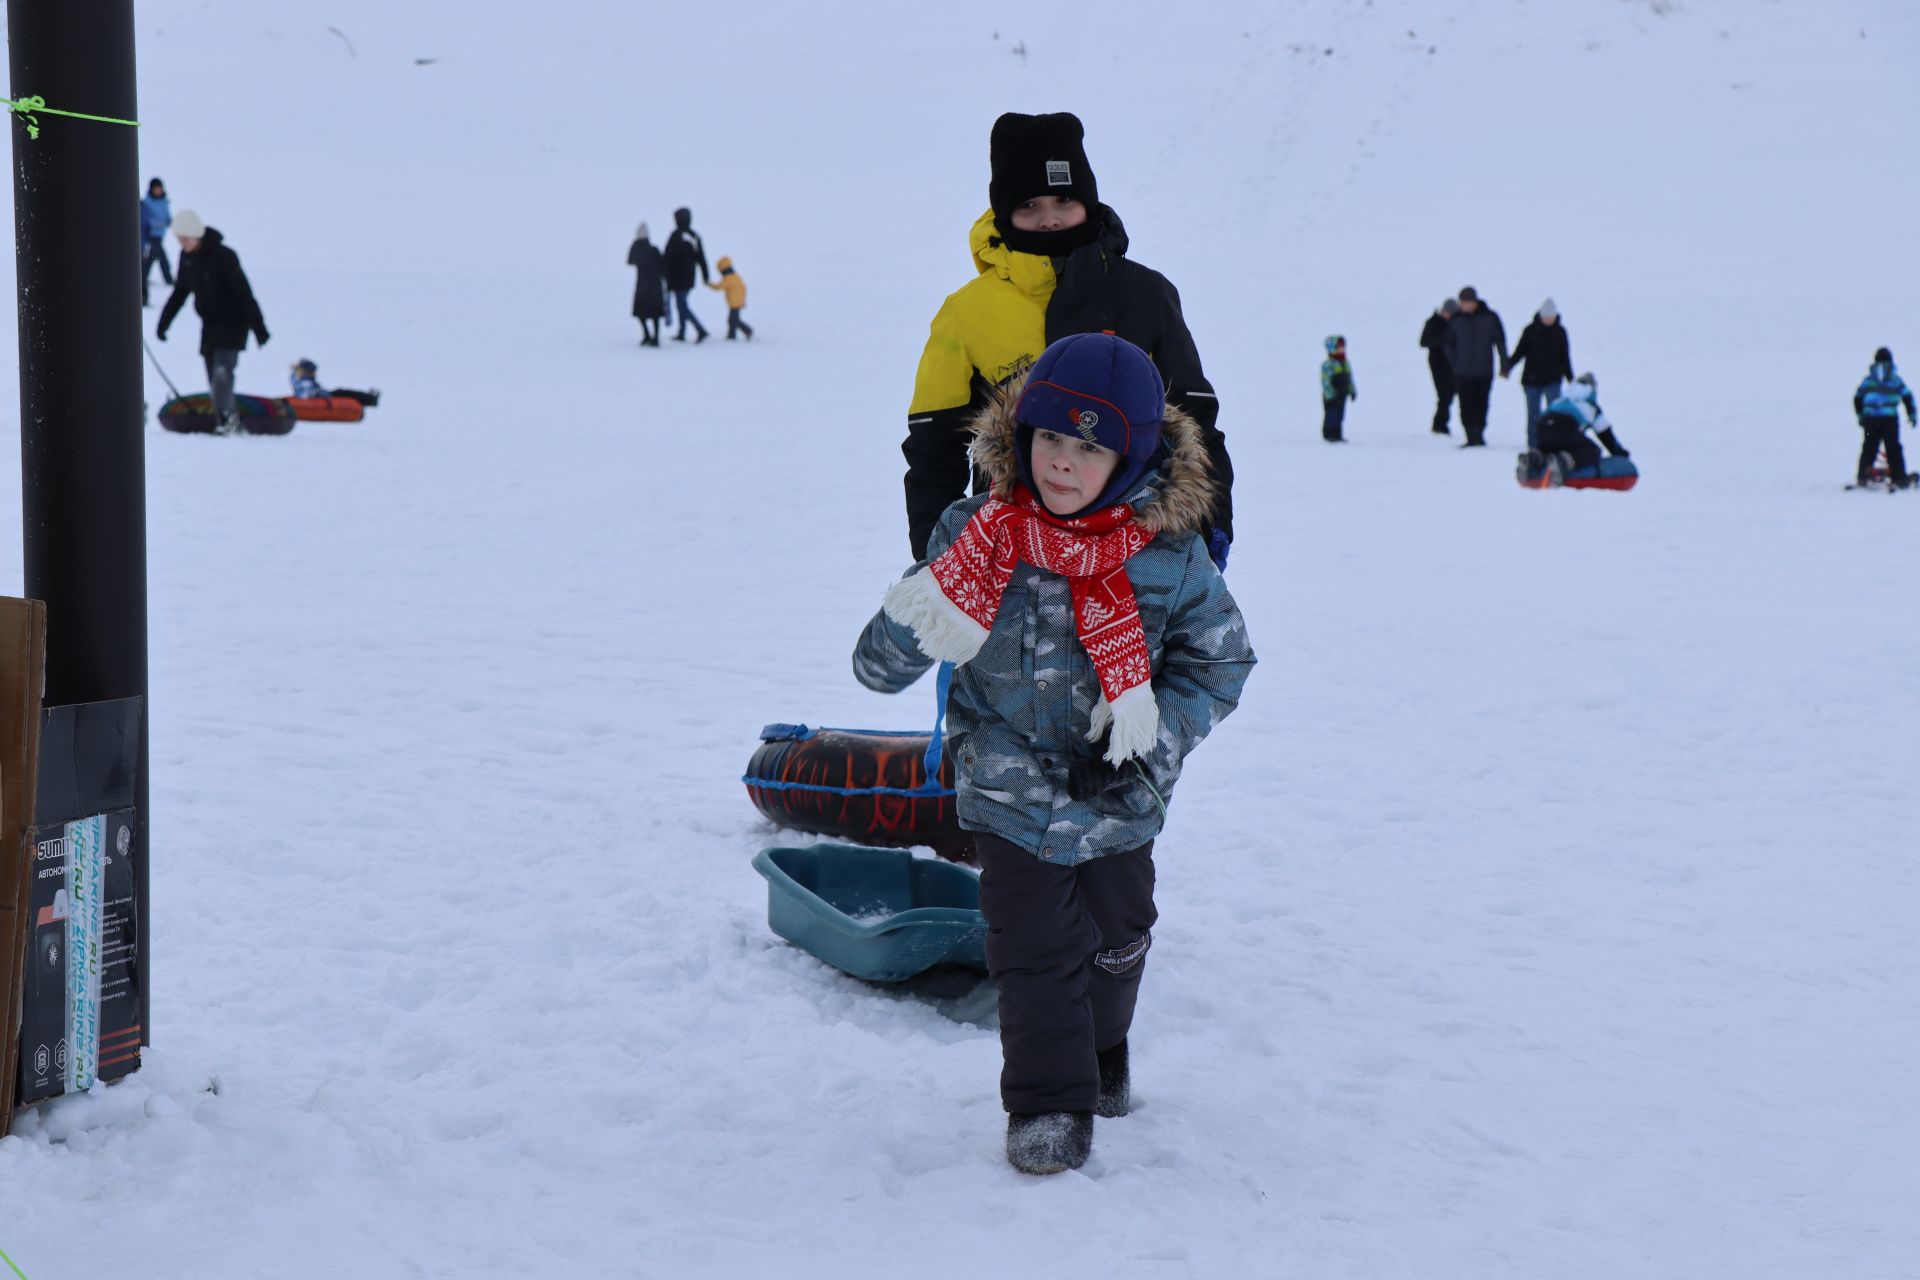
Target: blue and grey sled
[(879, 914)]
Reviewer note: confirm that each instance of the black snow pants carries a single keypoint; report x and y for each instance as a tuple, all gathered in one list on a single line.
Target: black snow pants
[(1332, 413), (1881, 432), (1442, 394), (1473, 393), (1066, 946), (1557, 435)]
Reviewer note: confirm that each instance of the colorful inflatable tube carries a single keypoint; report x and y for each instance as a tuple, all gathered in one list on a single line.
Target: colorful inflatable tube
[(1618, 474), (326, 408), (1610, 473), (193, 415), (864, 785)]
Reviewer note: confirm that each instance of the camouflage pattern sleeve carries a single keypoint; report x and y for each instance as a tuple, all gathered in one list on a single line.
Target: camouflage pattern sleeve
[(887, 658), (1205, 660)]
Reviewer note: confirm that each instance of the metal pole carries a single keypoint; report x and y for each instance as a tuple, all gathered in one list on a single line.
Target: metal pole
[(76, 192)]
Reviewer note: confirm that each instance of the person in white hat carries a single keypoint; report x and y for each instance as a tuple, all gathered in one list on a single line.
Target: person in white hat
[(211, 275), (1543, 348)]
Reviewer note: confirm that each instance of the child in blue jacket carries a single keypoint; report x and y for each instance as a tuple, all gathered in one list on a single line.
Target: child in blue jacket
[(1078, 603), (305, 376), (1877, 406), (156, 215)]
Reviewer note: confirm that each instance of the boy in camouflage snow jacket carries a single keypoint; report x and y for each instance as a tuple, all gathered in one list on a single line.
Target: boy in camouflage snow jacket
[(1064, 824)]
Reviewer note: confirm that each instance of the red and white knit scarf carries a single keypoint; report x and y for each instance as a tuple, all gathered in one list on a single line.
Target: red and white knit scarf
[(950, 605)]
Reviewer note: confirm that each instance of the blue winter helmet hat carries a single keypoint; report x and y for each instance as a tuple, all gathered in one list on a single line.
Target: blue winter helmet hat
[(1102, 389)]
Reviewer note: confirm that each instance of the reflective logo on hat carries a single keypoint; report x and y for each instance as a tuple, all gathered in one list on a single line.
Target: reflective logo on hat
[(1084, 421), (1059, 173)]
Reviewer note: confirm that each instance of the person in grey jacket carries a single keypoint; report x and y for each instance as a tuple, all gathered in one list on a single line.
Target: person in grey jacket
[(1474, 338), (1078, 602)]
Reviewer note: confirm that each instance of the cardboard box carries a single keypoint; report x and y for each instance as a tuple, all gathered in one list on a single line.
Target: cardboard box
[(23, 668), (80, 1015)]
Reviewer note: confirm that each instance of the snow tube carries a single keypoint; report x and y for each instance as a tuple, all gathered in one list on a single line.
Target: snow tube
[(879, 914), (1532, 472), (1609, 473), (326, 408), (259, 415), (866, 785)]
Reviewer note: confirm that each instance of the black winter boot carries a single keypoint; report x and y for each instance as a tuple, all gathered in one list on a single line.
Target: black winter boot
[(1116, 1091), (1051, 1142)]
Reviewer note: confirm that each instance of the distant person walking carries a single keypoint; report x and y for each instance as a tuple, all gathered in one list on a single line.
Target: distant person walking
[(1877, 405), (649, 286), (156, 215), (1543, 350), (735, 288), (683, 253), (1336, 388), (1475, 338), (1433, 336), (210, 274)]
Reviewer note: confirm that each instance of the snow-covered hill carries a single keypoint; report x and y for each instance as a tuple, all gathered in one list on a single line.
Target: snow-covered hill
[(1546, 911)]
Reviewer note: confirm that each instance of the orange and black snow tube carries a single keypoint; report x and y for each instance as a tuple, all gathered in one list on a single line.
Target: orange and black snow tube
[(867, 786), (326, 408)]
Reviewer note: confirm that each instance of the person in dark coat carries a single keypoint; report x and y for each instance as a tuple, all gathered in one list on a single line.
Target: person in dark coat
[(210, 274), (683, 253), (1474, 338), (1549, 362), (1048, 261), (1433, 337), (649, 287)]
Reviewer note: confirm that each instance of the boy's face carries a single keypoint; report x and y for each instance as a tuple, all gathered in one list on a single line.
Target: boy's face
[(1049, 213), (1069, 471)]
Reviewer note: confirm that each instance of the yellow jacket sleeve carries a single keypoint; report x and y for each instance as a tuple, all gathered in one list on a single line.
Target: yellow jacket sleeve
[(945, 377)]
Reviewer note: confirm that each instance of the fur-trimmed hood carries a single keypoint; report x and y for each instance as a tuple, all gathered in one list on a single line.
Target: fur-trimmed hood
[(1175, 496)]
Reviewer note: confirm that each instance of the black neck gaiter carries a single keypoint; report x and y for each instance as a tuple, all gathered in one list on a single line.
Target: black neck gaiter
[(1047, 244)]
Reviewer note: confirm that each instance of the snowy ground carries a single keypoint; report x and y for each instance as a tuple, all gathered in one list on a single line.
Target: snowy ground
[(1547, 910)]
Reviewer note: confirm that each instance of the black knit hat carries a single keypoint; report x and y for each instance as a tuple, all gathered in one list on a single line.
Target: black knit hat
[(1039, 156), (1883, 356)]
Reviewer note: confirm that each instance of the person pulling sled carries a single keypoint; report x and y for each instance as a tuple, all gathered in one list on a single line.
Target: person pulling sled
[(1876, 405)]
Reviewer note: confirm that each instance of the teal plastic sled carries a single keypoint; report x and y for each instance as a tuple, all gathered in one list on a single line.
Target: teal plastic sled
[(879, 914)]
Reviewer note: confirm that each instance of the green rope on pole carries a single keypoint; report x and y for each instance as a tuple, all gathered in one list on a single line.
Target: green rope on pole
[(9, 1261), (25, 109)]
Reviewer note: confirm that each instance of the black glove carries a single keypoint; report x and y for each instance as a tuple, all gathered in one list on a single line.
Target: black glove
[(161, 334), (1087, 779), (261, 336)]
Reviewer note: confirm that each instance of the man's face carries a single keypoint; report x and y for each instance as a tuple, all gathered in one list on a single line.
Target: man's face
[(1470, 306), (1049, 213), (190, 244)]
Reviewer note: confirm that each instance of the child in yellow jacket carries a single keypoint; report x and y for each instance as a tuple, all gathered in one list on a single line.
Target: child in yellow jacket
[(736, 290)]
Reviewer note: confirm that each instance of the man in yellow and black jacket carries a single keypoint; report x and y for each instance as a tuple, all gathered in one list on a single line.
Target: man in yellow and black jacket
[(1052, 262)]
